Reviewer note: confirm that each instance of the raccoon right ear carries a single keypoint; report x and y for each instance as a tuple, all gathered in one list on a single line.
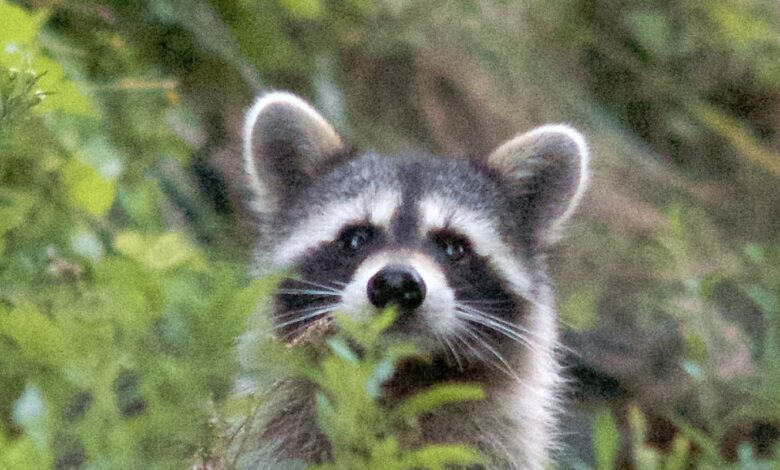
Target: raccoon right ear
[(285, 141), (548, 166)]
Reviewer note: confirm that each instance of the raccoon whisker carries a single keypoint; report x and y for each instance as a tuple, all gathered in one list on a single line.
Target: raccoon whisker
[(503, 329), (485, 301), (295, 332), (442, 338), (486, 344), (307, 316), (309, 292), (471, 348), (305, 310), (523, 331), (316, 284), (482, 319), (519, 330)]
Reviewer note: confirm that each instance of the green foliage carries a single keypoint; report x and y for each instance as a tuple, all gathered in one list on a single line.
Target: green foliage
[(364, 431), (726, 355), (21, 51), (115, 343), (605, 440), (16, 97), (118, 312), (680, 74)]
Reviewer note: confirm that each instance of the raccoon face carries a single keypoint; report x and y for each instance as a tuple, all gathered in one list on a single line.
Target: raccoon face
[(455, 244)]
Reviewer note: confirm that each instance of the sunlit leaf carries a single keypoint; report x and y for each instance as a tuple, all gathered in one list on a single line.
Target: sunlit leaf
[(578, 309), (437, 396), (605, 440), (441, 455), (38, 338), (86, 189), (17, 26), (157, 252), (303, 8)]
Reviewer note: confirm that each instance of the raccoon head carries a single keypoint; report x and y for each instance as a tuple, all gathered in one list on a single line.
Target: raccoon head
[(456, 244)]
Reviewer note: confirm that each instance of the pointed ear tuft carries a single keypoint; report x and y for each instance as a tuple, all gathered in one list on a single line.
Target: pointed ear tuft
[(285, 141), (549, 166)]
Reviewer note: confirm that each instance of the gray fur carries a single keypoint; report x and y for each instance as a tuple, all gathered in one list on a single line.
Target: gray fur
[(511, 203)]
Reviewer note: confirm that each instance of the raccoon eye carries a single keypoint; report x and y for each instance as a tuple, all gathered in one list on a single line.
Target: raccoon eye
[(355, 238), (454, 246)]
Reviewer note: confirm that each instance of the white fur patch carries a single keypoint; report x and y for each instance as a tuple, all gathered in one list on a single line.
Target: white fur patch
[(438, 308), (438, 213), (535, 400), (376, 207)]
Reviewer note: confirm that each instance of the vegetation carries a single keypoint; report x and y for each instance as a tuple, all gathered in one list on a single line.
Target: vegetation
[(124, 237)]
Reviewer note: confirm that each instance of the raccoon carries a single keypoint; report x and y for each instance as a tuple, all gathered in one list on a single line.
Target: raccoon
[(456, 244)]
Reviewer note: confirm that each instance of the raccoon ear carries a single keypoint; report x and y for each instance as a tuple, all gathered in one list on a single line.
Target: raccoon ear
[(549, 167), (285, 141)]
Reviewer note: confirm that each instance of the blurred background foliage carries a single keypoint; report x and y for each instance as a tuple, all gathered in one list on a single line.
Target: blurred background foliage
[(124, 234)]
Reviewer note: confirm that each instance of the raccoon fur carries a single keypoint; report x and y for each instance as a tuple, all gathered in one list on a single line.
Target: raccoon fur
[(456, 244)]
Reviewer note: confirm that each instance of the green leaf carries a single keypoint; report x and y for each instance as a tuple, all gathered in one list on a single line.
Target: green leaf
[(17, 26), (157, 252), (651, 30), (14, 206), (439, 456), (708, 447), (578, 309), (437, 396), (59, 92), (381, 373), (763, 299), (343, 351), (605, 440), (86, 189), (18, 94), (24, 454), (38, 338), (303, 8), (754, 252), (708, 286), (19, 50), (678, 457)]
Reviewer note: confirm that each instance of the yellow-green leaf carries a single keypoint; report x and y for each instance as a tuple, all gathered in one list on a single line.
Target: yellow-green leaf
[(605, 440), (578, 309), (17, 26), (86, 189), (157, 252), (437, 396), (303, 8), (38, 338)]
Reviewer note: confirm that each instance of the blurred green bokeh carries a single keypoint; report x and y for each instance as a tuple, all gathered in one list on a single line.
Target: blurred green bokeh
[(124, 232)]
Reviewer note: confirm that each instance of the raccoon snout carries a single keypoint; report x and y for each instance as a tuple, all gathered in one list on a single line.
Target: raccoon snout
[(397, 285)]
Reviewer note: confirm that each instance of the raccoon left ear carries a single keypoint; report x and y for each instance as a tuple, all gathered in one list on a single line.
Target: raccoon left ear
[(549, 166), (285, 141)]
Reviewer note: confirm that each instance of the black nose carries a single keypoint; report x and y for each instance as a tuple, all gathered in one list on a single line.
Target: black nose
[(398, 285)]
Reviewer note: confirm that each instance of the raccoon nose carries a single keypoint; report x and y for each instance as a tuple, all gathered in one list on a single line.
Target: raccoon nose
[(398, 285)]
